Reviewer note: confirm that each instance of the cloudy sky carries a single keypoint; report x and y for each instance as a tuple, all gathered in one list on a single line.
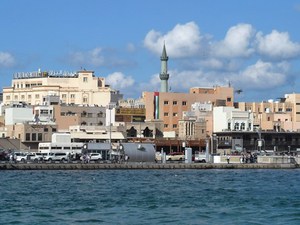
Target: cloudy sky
[(254, 45)]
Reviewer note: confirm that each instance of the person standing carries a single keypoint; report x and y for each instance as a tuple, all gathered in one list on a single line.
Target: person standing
[(228, 159)]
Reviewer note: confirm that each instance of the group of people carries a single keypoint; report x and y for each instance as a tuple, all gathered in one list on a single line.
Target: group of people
[(248, 158)]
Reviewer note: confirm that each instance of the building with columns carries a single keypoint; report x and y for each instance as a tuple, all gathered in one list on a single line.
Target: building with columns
[(76, 88)]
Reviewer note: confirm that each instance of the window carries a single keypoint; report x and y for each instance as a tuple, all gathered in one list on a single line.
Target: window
[(175, 114), (40, 136), (33, 136), (37, 96), (166, 102), (29, 96), (44, 112), (27, 137), (174, 125), (22, 97), (242, 126), (85, 79), (72, 95), (166, 114), (45, 129), (63, 95), (229, 126), (53, 129), (16, 97), (184, 103), (165, 125), (174, 102), (85, 99), (7, 97), (236, 126), (228, 99)]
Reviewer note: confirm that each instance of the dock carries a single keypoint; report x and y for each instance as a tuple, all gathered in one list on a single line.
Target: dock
[(146, 166)]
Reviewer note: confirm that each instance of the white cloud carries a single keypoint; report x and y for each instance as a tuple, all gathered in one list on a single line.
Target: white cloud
[(92, 57), (119, 81), (184, 40), (6, 59), (262, 75), (237, 42), (277, 45)]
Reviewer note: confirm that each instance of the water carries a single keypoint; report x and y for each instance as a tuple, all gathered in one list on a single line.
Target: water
[(150, 197)]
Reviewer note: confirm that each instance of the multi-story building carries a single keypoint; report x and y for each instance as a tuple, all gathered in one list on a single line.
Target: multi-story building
[(281, 115), (197, 123), (232, 119), (71, 115), (79, 88), (169, 107)]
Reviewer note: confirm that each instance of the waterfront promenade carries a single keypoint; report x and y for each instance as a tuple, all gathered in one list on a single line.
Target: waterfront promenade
[(114, 166)]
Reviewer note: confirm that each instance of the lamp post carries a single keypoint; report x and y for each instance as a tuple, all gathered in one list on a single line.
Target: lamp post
[(110, 107)]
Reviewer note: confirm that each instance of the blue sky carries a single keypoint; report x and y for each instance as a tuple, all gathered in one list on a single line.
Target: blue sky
[(253, 44)]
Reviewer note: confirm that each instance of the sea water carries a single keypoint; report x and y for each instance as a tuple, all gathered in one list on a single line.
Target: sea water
[(150, 197)]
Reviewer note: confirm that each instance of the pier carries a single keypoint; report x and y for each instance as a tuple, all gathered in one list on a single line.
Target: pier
[(147, 166)]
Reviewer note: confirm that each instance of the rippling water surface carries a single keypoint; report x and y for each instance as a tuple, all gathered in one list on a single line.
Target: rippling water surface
[(150, 197)]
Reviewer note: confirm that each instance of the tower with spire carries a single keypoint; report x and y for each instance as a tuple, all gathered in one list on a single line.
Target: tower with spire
[(164, 76)]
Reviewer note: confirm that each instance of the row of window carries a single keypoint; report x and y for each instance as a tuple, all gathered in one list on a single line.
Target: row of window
[(266, 109), (37, 96), (167, 125), (167, 114), (34, 137), (238, 126), (166, 102), (21, 85)]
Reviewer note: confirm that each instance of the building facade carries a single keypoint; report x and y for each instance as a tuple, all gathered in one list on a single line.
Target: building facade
[(78, 88), (169, 107), (279, 115)]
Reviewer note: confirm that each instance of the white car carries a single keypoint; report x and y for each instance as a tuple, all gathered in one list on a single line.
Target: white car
[(20, 157), (95, 157), (175, 156), (35, 156), (57, 156)]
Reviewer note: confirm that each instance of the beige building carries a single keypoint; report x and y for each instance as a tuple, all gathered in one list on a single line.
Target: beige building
[(169, 107), (78, 88), (31, 134), (281, 115)]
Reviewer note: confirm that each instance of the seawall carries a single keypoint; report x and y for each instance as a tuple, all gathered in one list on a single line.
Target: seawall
[(112, 166)]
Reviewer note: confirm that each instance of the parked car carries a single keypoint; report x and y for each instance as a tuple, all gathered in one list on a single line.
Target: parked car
[(95, 157), (56, 156), (200, 157), (35, 156), (20, 157), (175, 156)]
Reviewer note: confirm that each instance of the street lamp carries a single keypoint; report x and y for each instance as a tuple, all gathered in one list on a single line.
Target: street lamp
[(110, 108)]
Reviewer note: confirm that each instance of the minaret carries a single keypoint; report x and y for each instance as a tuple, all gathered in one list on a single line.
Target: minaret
[(164, 76)]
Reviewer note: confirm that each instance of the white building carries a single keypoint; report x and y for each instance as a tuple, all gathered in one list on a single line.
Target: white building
[(14, 115), (231, 119)]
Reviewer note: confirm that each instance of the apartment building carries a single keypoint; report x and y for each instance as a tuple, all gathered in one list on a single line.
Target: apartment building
[(169, 107), (279, 115)]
